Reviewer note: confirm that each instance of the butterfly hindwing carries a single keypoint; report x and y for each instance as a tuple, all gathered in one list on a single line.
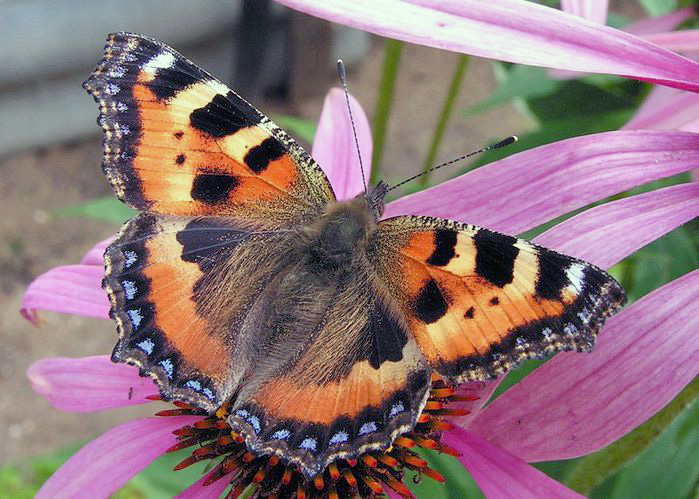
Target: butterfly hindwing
[(479, 302), (169, 281), (179, 142)]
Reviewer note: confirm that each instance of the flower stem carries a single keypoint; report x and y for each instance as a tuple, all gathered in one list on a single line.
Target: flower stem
[(392, 50), (445, 116)]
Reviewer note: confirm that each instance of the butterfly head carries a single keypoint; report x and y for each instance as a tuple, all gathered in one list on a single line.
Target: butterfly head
[(375, 198), (344, 228)]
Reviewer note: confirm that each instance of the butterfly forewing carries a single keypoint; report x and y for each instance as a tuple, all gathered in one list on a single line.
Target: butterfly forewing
[(179, 142), (479, 302)]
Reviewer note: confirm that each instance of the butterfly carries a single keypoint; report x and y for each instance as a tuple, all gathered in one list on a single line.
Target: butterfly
[(244, 281)]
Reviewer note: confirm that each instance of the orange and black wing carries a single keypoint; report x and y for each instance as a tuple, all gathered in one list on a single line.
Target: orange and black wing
[(340, 374), (214, 178), (479, 302), (175, 283), (179, 142)]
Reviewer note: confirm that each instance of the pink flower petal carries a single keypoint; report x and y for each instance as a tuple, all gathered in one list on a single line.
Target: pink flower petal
[(89, 384), (481, 389), (577, 403), (644, 26), (502, 475), (666, 108), (526, 189), (96, 255), (630, 223), (200, 491), (109, 461), (692, 126), (680, 41), (71, 289), (656, 24), (595, 10), (513, 31), (334, 148), (391, 493)]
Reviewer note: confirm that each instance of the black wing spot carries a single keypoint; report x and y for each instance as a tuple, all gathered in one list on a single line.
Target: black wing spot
[(259, 157), (179, 135), (387, 338), (552, 274), (494, 300), (444, 244), (204, 240), (430, 305), (495, 257), (180, 159), (168, 82), (213, 188), (470, 313), (224, 115)]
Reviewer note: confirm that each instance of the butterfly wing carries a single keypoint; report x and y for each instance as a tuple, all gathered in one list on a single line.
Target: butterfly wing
[(175, 284), (340, 373), (179, 142), (216, 180), (478, 302)]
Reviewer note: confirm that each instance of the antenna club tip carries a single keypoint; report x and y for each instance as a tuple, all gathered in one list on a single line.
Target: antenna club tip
[(341, 69), (506, 142)]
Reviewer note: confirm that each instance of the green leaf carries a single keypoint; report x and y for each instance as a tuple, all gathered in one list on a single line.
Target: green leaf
[(14, 484), (617, 20), (24, 480), (108, 209), (678, 446), (575, 98), (298, 127), (518, 82), (658, 7), (663, 260), (564, 109), (665, 427), (556, 130)]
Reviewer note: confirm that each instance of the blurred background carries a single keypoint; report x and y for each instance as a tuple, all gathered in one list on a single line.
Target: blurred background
[(52, 190)]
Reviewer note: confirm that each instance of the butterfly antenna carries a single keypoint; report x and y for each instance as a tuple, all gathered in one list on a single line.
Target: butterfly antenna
[(343, 80), (505, 142)]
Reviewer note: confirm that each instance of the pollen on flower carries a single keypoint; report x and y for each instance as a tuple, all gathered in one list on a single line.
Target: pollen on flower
[(368, 476)]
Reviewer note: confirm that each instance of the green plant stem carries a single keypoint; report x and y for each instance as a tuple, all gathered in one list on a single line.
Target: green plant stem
[(384, 103), (444, 117)]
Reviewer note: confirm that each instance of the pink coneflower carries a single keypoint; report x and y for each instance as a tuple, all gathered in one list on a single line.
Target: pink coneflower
[(657, 30), (571, 406), (664, 108), (515, 31)]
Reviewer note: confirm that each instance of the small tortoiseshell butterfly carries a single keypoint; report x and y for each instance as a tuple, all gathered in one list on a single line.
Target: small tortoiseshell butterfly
[(244, 280)]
